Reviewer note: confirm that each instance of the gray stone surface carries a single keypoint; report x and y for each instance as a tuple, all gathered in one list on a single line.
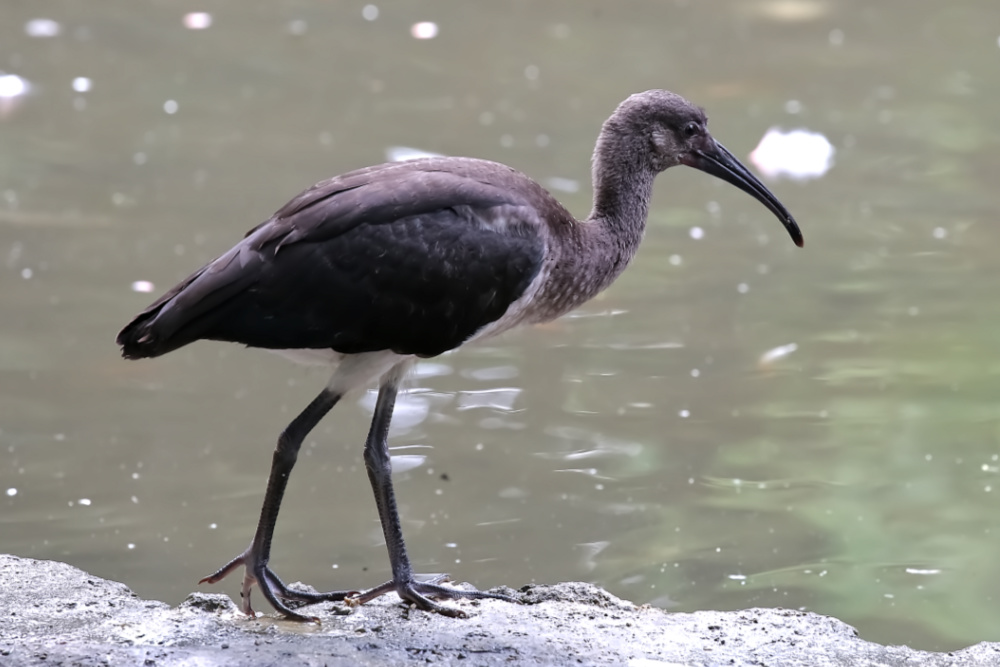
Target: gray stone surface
[(53, 614)]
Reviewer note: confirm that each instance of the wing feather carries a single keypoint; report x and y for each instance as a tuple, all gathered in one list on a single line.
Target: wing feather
[(413, 257)]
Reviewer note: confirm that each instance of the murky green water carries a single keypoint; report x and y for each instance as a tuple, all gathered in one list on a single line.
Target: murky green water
[(640, 443)]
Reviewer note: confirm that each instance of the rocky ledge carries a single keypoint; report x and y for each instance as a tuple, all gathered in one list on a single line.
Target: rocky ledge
[(53, 614)]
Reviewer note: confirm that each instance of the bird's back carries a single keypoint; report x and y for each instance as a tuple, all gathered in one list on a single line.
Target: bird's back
[(413, 257)]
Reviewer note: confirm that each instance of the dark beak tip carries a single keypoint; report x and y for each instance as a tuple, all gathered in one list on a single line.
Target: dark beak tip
[(797, 238), (714, 159), (794, 231)]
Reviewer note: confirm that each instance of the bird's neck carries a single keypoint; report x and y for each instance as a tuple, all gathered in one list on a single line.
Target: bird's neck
[(623, 185), (590, 255), (623, 181)]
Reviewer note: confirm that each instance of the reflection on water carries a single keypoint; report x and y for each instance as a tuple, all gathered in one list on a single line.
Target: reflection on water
[(735, 423)]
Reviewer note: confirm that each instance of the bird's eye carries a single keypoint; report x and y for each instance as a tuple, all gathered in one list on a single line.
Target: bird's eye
[(691, 129)]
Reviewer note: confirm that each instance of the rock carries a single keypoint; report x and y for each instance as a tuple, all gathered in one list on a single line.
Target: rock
[(53, 614)]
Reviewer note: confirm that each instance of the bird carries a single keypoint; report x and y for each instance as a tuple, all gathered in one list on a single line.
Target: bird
[(378, 268)]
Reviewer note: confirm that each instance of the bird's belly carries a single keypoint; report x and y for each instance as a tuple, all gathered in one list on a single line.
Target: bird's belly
[(312, 357), (351, 371)]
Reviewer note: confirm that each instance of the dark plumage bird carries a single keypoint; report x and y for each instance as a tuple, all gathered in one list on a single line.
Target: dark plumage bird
[(379, 267)]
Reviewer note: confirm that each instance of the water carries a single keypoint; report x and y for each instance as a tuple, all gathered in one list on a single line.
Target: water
[(646, 442)]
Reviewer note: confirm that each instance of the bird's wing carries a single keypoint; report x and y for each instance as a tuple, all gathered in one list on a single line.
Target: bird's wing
[(386, 193), (413, 257)]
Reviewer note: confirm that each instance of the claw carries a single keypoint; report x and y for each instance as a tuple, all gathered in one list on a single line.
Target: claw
[(271, 586), (419, 594)]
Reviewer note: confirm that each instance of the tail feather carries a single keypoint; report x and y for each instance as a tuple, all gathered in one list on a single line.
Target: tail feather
[(136, 339), (187, 312), (141, 339), (146, 336)]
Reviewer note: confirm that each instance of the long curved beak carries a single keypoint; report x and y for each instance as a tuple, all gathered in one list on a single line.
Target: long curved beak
[(713, 158)]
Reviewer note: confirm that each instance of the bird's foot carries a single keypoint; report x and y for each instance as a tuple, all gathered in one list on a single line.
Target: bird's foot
[(274, 589), (419, 594)]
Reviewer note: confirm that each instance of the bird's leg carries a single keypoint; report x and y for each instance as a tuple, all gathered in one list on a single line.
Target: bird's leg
[(255, 559), (379, 469)]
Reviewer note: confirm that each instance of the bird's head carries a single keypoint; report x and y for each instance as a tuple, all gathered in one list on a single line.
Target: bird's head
[(664, 130)]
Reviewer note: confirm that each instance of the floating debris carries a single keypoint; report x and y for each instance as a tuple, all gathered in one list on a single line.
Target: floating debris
[(424, 30), (197, 20), (777, 353), (404, 153), (42, 28), (800, 154), (12, 86), (13, 90)]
